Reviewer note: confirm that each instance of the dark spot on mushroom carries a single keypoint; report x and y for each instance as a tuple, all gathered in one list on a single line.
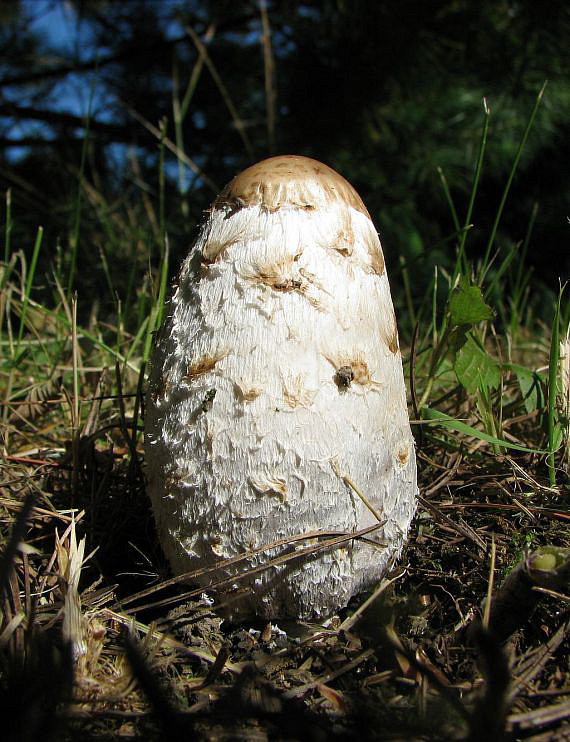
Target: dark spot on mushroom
[(202, 366), (289, 285), (344, 241), (344, 377), (246, 393), (376, 256), (361, 371), (392, 341), (208, 400), (403, 454), (278, 275)]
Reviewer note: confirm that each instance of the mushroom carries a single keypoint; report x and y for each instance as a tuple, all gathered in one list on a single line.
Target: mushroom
[(276, 403)]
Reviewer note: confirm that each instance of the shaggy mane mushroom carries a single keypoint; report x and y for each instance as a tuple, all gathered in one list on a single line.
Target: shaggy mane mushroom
[(276, 393)]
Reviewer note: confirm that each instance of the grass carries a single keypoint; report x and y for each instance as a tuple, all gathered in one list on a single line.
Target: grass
[(97, 640)]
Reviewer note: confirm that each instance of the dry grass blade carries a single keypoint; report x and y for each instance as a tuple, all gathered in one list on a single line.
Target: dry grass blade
[(238, 121), (269, 74), (350, 483), (75, 419), (565, 395), (70, 555), (539, 718), (330, 676), (129, 624), (130, 437), (532, 662), (413, 352), (10, 628), (443, 688), (491, 582), (169, 144), (446, 477), (37, 399), (461, 528), (189, 576), (349, 622), (92, 421), (216, 669), (17, 536), (275, 562)]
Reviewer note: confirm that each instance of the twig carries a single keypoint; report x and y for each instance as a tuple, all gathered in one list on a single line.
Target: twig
[(460, 528)]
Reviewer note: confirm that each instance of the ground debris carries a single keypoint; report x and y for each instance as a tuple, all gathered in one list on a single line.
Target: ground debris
[(398, 663)]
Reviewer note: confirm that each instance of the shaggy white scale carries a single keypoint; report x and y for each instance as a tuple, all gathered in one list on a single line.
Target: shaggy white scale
[(276, 376)]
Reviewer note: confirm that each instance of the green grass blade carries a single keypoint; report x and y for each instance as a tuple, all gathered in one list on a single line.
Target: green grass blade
[(179, 111), (157, 312), (551, 416), (7, 230), (29, 283), (74, 237), (440, 418), (461, 263), (449, 199), (141, 332), (514, 168), (163, 283), (64, 321)]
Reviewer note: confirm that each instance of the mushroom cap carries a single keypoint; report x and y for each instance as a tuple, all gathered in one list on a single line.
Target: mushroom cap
[(275, 382), (289, 180)]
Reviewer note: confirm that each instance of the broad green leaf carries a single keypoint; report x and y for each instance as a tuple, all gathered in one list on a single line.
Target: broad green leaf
[(440, 418), (467, 306), (475, 368)]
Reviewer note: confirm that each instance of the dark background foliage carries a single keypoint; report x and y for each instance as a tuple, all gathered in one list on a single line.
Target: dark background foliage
[(385, 91)]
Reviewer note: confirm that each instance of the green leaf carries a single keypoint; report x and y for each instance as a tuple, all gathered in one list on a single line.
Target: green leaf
[(440, 418), (475, 368), (530, 386), (467, 306), (557, 436), (458, 338)]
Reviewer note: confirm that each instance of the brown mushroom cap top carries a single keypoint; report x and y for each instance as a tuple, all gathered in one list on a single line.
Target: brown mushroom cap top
[(289, 180)]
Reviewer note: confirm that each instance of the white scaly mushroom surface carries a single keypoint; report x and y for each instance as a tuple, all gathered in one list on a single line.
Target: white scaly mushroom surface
[(277, 374)]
